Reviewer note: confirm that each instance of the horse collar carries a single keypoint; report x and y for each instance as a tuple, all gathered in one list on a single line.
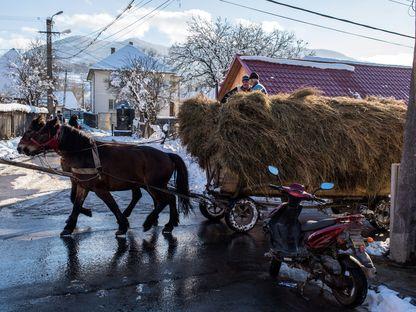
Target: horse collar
[(97, 163)]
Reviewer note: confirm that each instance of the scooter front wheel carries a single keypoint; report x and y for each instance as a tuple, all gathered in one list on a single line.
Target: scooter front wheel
[(242, 216)]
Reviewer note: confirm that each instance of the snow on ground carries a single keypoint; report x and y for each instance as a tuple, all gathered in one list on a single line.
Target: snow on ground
[(387, 300), (378, 248), (18, 184), (8, 148)]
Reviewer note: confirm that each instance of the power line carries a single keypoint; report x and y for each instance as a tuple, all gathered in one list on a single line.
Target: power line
[(128, 7), (89, 54), (134, 8), (149, 15), (341, 19), (402, 3), (138, 20), (317, 25)]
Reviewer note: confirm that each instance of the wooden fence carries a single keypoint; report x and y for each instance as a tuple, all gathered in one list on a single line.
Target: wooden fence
[(15, 123)]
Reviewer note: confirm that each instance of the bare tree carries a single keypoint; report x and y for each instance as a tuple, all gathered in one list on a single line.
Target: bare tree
[(403, 229), (29, 75), (145, 83), (211, 45)]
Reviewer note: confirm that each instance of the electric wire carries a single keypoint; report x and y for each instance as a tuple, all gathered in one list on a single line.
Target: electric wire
[(340, 19), (318, 25)]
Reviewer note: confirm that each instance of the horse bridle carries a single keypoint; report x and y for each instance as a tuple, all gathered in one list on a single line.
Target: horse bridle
[(51, 143)]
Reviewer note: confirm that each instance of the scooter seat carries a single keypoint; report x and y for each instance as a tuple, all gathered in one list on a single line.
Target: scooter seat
[(312, 225)]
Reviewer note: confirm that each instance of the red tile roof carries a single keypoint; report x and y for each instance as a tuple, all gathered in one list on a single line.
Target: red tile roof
[(333, 77)]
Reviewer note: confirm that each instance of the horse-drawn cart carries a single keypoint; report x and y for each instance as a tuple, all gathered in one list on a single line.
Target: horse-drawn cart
[(311, 138)]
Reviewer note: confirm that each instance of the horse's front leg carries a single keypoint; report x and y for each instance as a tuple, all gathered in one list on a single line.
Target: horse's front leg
[(136, 195), (123, 223), (83, 210), (80, 196)]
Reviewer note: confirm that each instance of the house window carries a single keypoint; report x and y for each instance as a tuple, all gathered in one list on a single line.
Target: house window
[(171, 109), (110, 104)]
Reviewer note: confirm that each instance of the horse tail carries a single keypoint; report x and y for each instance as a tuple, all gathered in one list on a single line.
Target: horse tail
[(182, 183)]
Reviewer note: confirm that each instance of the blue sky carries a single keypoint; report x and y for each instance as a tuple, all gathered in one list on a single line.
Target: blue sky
[(169, 25)]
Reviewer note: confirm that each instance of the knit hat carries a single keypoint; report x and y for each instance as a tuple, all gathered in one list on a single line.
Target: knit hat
[(246, 78)]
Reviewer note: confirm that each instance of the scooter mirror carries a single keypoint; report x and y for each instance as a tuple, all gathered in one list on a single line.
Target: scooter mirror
[(327, 186), (273, 170)]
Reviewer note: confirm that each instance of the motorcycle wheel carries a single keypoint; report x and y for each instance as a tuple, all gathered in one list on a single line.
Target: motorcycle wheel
[(210, 211), (274, 269), (355, 293), (242, 216)]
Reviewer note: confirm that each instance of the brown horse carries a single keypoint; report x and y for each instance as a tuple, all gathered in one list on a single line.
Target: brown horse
[(22, 148), (122, 167)]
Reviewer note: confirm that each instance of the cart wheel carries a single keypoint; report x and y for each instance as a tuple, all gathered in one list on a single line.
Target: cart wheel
[(210, 211), (242, 216), (382, 214)]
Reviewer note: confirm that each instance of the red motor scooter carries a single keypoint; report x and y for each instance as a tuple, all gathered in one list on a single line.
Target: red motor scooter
[(331, 250)]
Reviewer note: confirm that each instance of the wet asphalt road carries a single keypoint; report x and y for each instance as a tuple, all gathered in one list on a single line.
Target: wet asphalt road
[(202, 266)]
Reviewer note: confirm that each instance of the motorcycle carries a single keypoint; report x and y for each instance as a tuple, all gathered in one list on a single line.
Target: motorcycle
[(331, 250)]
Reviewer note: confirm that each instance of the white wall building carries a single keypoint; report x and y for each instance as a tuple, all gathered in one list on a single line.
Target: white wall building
[(103, 100)]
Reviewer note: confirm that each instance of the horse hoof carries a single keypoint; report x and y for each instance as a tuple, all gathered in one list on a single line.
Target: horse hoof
[(66, 233), (167, 229)]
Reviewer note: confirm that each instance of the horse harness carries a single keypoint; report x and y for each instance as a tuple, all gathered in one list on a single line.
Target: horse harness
[(97, 170), (53, 143)]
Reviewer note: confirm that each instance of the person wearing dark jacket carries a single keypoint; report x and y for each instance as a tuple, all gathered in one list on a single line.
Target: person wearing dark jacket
[(73, 122), (245, 87), (255, 83)]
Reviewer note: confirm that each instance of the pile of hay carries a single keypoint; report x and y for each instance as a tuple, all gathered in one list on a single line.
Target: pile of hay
[(309, 137)]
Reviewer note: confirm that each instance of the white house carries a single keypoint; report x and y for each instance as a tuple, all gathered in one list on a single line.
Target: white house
[(103, 100)]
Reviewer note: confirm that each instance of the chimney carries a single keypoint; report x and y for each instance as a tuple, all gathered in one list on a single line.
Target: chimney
[(130, 42), (113, 50)]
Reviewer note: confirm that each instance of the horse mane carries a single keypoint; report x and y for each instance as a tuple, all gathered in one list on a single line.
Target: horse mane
[(37, 123), (73, 140)]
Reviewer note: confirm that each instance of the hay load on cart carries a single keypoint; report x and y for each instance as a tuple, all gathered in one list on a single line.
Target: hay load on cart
[(311, 138)]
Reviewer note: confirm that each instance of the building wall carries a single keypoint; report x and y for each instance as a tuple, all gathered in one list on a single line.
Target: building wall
[(101, 94)]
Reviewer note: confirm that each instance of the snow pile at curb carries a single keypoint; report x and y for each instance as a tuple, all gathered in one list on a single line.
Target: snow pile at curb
[(378, 248), (16, 107), (386, 300), (8, 148)]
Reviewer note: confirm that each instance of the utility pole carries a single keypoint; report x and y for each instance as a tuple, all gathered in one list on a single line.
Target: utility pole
[(65, 82), (49, 65), (83, 95), (403, 229)]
